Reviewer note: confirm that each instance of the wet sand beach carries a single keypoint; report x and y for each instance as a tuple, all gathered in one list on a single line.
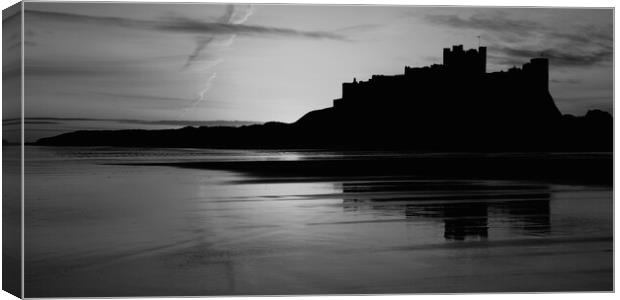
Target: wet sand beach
[(162, 222)]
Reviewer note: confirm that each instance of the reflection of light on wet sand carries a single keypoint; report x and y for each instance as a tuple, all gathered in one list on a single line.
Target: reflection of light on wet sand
[(108, 230)]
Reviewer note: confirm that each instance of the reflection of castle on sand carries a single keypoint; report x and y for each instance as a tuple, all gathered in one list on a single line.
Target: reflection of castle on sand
[(467, 208)]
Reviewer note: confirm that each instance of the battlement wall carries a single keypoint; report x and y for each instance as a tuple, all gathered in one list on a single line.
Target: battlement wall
[(460, 68)]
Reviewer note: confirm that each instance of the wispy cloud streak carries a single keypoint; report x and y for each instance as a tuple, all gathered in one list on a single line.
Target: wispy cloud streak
[(180, 25), (559, 57), (497, 24), (235, 14), (207, 34), (57, 120), (201, 94)]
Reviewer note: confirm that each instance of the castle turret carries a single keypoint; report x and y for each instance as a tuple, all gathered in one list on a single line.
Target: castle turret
[(482, 59), (540, 72), (349, 89), (537, 72)]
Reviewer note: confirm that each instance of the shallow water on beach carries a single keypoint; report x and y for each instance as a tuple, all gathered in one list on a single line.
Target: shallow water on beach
[(97, 228)]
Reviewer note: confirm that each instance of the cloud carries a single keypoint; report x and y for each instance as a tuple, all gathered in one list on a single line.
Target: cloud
[(194, 26), (192, 122), (234, 14), (79, 69), (180, 25), (201, 45), (223, 30), (145, 100), (88, 69), (60, 120), (516, 41), (567, 81), (208, 85), (210, 36), (559, 57), (142, 97), (495, 23), (359, 28)]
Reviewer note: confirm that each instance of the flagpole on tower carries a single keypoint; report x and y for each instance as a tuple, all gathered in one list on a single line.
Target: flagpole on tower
[(478, 41)]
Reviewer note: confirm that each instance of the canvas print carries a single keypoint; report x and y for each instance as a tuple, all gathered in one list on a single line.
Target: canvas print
[(205, 149)]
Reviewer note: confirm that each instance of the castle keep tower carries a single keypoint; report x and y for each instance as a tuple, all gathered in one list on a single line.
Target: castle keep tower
[(538, 70), (471, 61)]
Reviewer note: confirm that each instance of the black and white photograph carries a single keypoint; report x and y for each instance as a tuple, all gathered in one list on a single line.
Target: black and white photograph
[(251, 149)]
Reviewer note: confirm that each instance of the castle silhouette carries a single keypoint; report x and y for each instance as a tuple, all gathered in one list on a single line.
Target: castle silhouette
[(464, 70), (454, 106)]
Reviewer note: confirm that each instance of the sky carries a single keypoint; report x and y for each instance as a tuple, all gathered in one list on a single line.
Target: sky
[(139, 65)]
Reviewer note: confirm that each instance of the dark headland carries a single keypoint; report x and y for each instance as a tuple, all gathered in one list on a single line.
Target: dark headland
[(456, 106)]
